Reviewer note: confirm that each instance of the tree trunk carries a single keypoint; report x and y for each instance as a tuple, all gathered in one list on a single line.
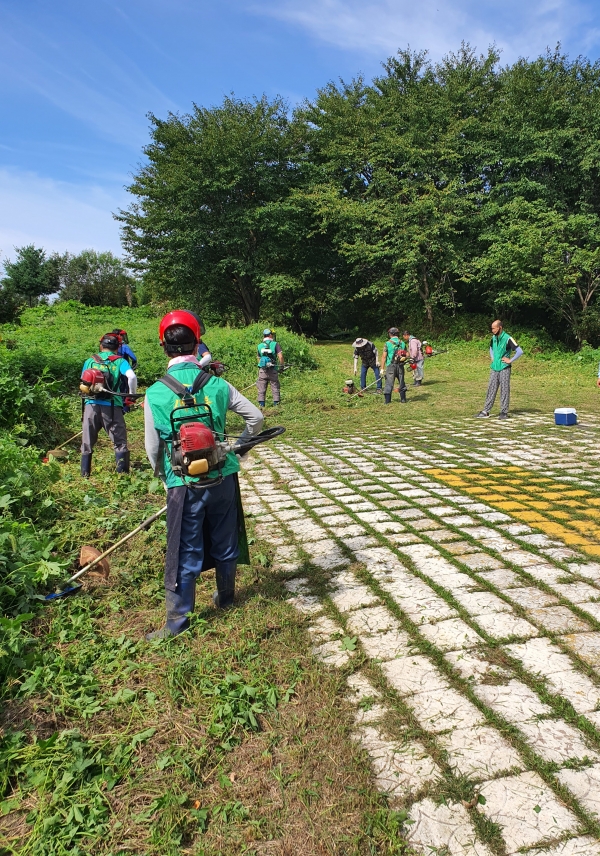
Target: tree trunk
[(424, 294), (249, 297)]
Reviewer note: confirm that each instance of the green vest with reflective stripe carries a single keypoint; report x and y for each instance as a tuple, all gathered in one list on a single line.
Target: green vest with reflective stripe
[(162, 401)]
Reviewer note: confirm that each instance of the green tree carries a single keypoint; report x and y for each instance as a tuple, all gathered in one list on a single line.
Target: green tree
[(543, 260), (210, 220), (31, 276), (403, 185), (96, 279)]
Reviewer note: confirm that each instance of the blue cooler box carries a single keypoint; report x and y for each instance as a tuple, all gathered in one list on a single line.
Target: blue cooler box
[(565, 416)]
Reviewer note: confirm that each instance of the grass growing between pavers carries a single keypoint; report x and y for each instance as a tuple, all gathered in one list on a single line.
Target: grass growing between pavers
[(576, 510), (558, 705)]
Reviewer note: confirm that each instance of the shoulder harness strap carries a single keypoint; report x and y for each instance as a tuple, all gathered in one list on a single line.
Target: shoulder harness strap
[(181, 390)]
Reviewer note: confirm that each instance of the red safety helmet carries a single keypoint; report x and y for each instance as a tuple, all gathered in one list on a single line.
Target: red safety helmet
[(185, 319)]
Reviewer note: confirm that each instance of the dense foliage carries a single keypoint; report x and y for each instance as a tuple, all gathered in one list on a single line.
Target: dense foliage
[(60, 337), (96, 279), (28, 278), (91, 278), (437, 187)]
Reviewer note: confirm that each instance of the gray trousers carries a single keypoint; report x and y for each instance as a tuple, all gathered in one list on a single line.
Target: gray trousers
[(394, 371), (267, 376), (97, 416), (418, 373), (498, 379)]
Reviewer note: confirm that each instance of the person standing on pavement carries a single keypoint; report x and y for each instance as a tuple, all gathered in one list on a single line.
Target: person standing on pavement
[(205, 525), (368, 355), (270, 363), (393, 359), (103, 406), (415, 355), (501, 347)]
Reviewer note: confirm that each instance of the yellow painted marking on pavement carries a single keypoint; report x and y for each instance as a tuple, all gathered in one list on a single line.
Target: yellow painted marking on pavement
[(570, 514)]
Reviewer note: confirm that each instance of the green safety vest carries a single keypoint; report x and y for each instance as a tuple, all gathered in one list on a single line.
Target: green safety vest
[(499, 350), (162, 401), (113, 367), (390, 349), (267, 355)]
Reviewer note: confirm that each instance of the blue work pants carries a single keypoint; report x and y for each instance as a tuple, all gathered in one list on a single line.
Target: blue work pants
[(363, 375), (218, 507)]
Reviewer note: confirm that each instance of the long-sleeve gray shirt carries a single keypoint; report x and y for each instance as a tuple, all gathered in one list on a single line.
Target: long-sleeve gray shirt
[(238, 403)]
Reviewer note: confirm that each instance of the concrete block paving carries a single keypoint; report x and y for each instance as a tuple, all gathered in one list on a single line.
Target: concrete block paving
[(451, 577)]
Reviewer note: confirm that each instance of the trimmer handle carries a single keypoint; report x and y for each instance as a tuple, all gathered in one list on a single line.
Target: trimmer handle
[(267, 434)]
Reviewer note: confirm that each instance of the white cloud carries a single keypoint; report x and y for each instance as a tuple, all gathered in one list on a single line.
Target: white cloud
[(57, 215), (380, 27)]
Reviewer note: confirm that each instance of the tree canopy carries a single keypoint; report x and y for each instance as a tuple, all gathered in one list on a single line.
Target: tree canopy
[(95, 279), (462, 185), (30, 277)]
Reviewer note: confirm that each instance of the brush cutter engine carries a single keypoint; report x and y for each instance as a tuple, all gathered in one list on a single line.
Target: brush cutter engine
[(349, 387), (93, 381), (195, 450)]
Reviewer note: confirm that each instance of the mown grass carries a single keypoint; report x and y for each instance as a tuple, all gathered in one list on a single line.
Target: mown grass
[(231, 739)]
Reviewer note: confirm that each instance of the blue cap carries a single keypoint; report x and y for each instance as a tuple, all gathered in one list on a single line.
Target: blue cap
[(267, 332)]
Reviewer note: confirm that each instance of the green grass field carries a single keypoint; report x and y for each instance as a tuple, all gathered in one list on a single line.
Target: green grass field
[(233, 738)]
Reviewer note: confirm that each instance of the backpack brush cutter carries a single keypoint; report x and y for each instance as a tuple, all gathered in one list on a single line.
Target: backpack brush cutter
[(238, 448)]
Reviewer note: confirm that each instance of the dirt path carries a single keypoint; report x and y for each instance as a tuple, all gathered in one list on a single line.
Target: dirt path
[(451, 574)]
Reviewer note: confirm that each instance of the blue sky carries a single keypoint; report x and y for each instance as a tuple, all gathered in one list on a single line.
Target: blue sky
[(79, 76)]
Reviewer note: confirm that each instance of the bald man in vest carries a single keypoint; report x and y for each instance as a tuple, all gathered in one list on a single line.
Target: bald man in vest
[(503, 352)]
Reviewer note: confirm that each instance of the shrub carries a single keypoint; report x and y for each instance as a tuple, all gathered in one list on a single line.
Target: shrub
[(30, 409)]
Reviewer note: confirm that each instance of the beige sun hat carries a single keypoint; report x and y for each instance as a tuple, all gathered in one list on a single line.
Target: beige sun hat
[(359, 343)]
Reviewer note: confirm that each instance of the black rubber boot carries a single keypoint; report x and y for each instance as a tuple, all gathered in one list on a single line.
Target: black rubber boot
[(122, 459), (403, 397), (179, 604), (388, 398), (225, 578), (86, 465)]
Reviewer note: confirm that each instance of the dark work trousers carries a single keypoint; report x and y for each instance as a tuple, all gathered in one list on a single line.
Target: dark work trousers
[(266, 376), (97, 416), (395, 371), (498, 379), (363, 374), (191, 515)]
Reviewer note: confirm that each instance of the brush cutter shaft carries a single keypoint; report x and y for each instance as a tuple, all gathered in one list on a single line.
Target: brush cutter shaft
[(368, 386), (62, 445), (267, 434), (125, 538)]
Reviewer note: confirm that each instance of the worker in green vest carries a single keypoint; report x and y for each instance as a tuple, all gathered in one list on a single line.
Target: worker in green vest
[(270, 363), (205, 525), (503, 352), (393, 360), (101, 381)]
